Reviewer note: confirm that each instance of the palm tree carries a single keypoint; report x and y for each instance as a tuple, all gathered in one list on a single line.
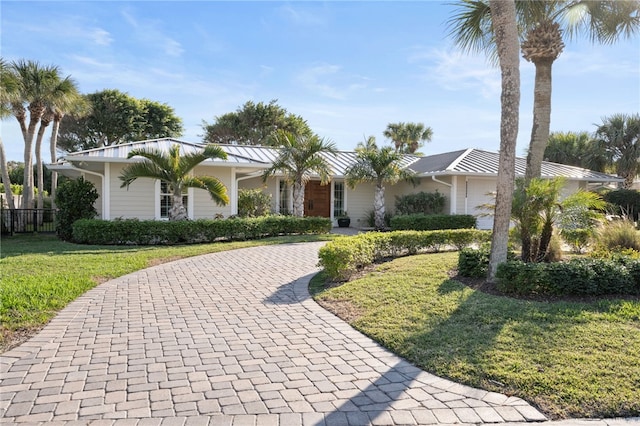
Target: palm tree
[(174, 169), (506, 39), (7, 95), (407, 136), (619, 137), (542, 24), (380, 166), (299, 157), (35, 86), (578, 149)]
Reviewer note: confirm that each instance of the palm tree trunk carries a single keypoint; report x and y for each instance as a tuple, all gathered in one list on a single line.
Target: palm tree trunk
[(298, 199), (44, 123), (6, 180), (177, 210), (541, 119), (53, 148), (378, 206), (506, 35), (27, 190)]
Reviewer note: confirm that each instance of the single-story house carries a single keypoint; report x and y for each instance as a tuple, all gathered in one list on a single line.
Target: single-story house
[(465, 177)]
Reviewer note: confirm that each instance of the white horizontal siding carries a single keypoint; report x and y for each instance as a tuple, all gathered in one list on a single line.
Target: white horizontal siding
[(203, 206), (136, 202)]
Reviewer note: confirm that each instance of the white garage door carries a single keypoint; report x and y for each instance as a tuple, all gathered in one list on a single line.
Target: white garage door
[(477, 195)]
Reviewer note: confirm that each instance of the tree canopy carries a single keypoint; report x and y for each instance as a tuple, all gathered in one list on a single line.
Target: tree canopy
[(408, 137), (578, 149), (254, 124), (116, 117), (619, 137)]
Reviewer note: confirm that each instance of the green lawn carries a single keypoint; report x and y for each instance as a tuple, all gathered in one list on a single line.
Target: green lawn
[(569, 359), (40, 274)]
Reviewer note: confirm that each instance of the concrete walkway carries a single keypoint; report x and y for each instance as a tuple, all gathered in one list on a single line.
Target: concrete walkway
[(232, 339)]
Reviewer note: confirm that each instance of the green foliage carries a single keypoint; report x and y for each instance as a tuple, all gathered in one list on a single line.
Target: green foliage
[(619, 235), (575, 149), (254, 124), (253, 203), (420, 203), (371, 219), (580, 276), (115, 118), (408, 137), (422, 222), (74, 199), (154, 232), (344, 256), (619, 137), (625, 202), (473, 263)]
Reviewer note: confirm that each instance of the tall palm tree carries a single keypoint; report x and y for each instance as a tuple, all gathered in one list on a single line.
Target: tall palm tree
[(542, 24), (578, 149), (299, 157), (379, 166), (619, 137), (506, 39), (407, 137), (35, 86), (8, 90), (174, 169)]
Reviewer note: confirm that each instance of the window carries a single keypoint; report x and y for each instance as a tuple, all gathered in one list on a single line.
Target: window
[(338, 199), (284, 198), (166, 200)]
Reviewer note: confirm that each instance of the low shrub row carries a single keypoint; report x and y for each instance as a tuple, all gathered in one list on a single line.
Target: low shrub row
[(153, 232), (579, 276), (423, 222), (344, 256)]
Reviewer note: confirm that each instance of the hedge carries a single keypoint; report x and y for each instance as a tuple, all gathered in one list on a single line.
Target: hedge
[(344, 256), (576, 277), (422, 222), (153, 232)]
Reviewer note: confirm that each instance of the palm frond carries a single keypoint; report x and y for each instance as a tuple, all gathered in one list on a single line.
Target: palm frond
[(143, 169), (216, 189)]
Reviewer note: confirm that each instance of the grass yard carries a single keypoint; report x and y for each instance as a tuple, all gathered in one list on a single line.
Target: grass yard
[(569, 359), (40, 274)]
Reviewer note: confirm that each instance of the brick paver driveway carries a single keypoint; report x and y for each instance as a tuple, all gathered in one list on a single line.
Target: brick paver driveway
[(226, 338)]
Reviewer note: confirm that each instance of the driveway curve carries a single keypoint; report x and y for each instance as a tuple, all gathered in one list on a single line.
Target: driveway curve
[(230, 338)]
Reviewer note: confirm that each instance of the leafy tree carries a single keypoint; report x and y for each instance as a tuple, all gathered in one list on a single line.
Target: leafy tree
[(116, 118), (575, 149), (408, 137), (75, 200), (542, 24), (379, 166), (254, 124), (619, 137), (174, 169), (299, 157)]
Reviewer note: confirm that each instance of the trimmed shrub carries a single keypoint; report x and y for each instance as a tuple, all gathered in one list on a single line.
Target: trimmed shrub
[(154, 232), (420, 203), (577, 277), (344, 256), (422, 222), (473, 263), (253, 203), (74, 199)]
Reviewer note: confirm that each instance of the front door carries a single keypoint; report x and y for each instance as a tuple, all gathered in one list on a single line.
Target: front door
[(317, 199)]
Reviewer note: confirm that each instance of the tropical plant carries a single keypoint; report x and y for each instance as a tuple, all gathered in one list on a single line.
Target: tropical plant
[(408, 137), (542, 24), (575, 149), (174, 169), (579, 216), (254, 124), (506, 41), (299, 157), (619, 138), (619, 235), (75, 200), (115, 117), (253, 203), (35, 86), (379, 166)]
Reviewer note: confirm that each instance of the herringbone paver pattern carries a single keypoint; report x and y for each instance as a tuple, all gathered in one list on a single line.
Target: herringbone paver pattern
[(225, 339)]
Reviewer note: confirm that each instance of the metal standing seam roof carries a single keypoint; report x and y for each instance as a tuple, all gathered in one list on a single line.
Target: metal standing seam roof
[(462, 162), (479, 162)]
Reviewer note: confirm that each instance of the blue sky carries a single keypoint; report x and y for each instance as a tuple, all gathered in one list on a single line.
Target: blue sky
[(348, 68)]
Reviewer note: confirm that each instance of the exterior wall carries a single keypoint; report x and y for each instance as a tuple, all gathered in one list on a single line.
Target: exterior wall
[(359, 202), (203, 206), (97, 182), (424, 185), (136, 202)]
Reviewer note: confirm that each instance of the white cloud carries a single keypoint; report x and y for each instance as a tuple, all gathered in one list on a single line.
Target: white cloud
[(149, 33), (329, 81), (101, 37)]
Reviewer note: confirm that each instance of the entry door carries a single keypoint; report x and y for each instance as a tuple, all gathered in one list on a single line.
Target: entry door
[(317, 199)]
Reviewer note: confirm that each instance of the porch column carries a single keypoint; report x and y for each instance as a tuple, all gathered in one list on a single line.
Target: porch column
[(453, 195), (233, 192), (106, 192)]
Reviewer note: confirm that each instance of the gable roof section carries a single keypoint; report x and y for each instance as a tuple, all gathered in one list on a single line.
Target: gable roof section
[(476, 162)]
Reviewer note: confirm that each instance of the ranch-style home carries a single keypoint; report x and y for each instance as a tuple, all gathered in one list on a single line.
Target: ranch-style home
[(465, 177)]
